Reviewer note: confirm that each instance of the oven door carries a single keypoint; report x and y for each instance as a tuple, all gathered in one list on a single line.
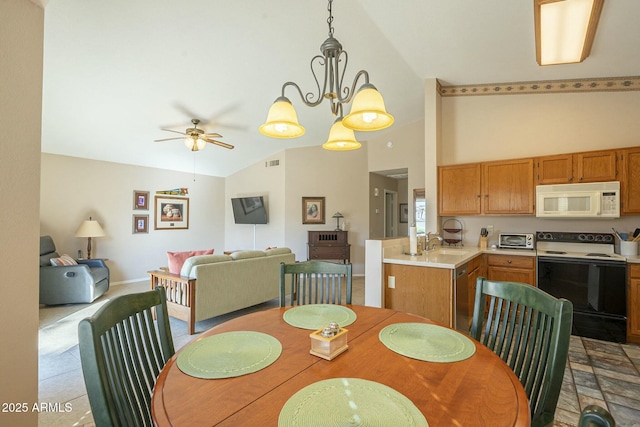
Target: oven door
[(597, 290)]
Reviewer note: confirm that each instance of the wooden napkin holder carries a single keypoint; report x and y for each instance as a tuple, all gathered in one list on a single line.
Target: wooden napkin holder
[(328, 347)]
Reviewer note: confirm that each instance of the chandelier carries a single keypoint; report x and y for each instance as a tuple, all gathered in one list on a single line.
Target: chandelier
[(367, 113)]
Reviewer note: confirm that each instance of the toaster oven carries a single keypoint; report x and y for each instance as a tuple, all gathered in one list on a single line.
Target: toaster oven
[(516, 241)]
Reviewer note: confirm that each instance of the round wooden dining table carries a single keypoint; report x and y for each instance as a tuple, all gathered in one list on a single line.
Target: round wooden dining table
[(478, 391)]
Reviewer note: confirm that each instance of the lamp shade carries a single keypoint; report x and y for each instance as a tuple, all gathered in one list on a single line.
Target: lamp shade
[(282, 121), (341, 138), (90, 228), (565, 30), (368, 112), (194, 143)]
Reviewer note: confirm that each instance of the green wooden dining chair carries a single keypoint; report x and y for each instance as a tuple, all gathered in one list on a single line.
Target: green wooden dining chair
[(595, 416), (315, 282), (122, 350), (529, 329)]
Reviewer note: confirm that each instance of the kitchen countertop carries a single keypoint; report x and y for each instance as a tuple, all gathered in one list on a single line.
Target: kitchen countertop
[(454, 257)]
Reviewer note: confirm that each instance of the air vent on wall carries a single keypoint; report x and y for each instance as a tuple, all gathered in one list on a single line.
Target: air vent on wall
[(272, 163)]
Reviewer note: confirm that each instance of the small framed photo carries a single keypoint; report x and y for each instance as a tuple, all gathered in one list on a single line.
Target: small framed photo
[(404, 212), (313, 210), (140, 224), (172, 213), (141, 200)]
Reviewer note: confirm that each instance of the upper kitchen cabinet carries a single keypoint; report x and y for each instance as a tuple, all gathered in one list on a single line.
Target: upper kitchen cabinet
[(630, 182), (459, 189), (508, 188), (592, 166), (492, 188)]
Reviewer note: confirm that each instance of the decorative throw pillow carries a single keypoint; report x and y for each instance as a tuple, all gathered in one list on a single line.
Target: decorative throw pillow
[(176, 259), (63, 260)]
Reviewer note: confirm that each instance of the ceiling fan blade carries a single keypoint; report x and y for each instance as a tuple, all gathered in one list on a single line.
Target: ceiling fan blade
[(221, 144), (212, 135), (175, 131), (166, 139)]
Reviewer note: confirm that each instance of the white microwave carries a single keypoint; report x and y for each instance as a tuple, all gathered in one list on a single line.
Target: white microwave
[(582, 200)]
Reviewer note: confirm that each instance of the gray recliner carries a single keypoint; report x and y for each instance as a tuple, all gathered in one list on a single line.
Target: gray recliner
[(70, 284)]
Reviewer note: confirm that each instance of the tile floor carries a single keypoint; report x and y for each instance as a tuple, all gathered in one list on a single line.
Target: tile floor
[(598, 372)]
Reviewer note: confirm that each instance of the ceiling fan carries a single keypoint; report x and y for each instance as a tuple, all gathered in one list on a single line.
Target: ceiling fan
[(196, 139)]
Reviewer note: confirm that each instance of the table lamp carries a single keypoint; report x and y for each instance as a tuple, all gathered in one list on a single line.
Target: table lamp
[(89, 229), (337, 216)]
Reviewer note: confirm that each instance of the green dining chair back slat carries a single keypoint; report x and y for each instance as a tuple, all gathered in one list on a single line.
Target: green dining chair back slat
[(595, 416), (530, 330), (122, 350), (315, 282)]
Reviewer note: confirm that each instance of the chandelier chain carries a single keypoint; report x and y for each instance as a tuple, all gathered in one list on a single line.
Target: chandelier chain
[(330, 18)]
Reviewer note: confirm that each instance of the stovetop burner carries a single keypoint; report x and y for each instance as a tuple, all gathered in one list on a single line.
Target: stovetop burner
[(555, 252), (597, 254)]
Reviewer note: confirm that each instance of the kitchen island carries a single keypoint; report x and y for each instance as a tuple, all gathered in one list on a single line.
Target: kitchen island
[(440, 283)]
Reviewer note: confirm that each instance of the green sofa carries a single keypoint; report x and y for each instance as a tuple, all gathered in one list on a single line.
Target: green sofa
[(212, 285)]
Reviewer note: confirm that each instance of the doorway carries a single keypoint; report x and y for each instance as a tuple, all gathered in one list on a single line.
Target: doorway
[(390, 213)]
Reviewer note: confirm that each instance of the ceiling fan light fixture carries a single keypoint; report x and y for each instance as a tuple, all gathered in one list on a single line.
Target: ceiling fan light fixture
[(565, 29), (194, 143), (282, 121), (368, 112), (341, 138)]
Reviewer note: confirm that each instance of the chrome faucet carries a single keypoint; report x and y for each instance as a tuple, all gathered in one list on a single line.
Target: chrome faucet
[(429, 237)]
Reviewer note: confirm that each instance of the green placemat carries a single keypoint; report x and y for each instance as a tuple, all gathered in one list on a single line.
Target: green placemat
[(230, 354), (316, 316), (431, 343), (349, 402)]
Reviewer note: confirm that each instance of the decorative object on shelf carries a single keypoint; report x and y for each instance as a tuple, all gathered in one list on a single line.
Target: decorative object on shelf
[(564, 30), (329, 342), (368, 112), (89, 229), (172, 213), (337, 216), (174, 192), (141, 200), (140, 224), (196, 139), (452, 229), (313, 210), (404, 212)]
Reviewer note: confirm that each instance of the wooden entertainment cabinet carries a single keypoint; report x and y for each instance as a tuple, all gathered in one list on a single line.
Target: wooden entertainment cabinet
[(329, 245)]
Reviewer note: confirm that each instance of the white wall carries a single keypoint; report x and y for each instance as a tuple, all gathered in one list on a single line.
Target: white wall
[(21, 44), (257, 180), (339, 176), (73, 189), (494, 127)]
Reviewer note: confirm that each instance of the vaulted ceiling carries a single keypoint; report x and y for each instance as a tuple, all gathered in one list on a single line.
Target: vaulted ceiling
[(116, 72)]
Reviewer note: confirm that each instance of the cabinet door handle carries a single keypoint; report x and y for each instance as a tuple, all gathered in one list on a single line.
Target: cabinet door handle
[(508, 261)]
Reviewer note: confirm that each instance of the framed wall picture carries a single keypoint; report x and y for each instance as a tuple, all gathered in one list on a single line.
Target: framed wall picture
[(404, 212), (172, 213), (141, 200), (313, 210), (140, 224)]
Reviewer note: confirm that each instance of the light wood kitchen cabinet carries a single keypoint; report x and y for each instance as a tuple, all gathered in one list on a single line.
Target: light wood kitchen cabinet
[(512, 268), (630, 182), (424, 291), (633, 304), (493, 188), (591, 166), (459, 190), (477, 267), (507, 187)]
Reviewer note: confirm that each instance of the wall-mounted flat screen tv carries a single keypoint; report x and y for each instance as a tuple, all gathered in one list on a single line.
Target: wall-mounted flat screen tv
[(249, 210)]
